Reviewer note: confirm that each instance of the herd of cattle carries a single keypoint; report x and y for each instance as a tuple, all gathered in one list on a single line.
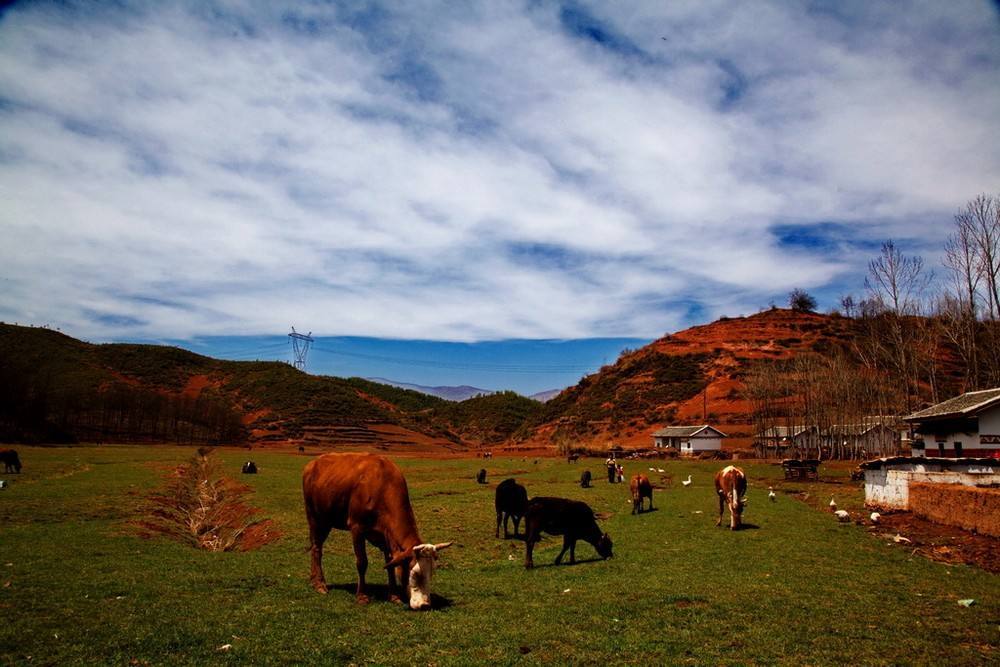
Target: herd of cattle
[(366, 495)]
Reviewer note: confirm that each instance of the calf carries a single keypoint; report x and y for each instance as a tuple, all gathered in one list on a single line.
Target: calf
[(572, 519), (641, 488), (481, 476), (731, 487), (572, 458), (11, 461), (366, 494), (511, 503), (585, 478), (249, 468)]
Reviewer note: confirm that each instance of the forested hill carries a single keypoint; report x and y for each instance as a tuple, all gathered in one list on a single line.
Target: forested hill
[(54, 388), (710, 373)]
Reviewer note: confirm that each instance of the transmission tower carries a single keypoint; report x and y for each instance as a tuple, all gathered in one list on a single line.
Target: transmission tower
[(300, 348)]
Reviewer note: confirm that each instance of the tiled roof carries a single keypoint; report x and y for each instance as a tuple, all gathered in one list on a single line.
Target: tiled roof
[(968, 403), (783, 431), (684, 431)]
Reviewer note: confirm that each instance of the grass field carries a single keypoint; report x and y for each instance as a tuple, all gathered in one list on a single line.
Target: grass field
[(77, 586)]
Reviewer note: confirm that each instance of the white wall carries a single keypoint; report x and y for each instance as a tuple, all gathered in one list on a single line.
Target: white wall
[(890, 489), (695, 445), (989, 422)]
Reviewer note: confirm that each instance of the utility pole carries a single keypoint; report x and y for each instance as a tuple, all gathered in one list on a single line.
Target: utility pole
[(300, 348)]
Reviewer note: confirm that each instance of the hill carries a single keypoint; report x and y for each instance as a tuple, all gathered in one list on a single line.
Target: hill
[(449, 393), (59, 389), (690, 377)]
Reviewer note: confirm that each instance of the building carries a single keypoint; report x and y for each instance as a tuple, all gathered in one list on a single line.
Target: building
[(689, 439), (862, 440), (781, 441), (967, 425)]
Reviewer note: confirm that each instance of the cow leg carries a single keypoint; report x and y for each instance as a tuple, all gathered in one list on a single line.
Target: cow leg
[(506, 521), (651, 501), (530, 537), (517, 524), (572, 551), (635, 504), (317, 535), (721, 510), (499, 515), (361, 559), (564, 549), (393, 590)]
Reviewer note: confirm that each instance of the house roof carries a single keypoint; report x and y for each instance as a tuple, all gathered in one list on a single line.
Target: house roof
[(688, 432), (966, 405), (857, 429), (877, 464), (783, 431)]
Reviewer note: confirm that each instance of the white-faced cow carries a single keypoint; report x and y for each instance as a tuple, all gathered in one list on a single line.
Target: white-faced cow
[(731, 487), (511, 502), (572, 519), (641, 488), (366, 494)]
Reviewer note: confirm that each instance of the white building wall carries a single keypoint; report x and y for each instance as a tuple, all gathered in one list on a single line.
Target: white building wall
[(989, 423), (704, 444), (890, 489)]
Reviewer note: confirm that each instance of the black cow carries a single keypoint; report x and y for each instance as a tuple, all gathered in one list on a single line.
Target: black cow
[(249, 468), (481, 476), (572, 519), (511, 503), (11, 461), (585, 478)]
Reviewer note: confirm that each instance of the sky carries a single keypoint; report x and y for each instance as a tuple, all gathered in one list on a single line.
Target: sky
[(476, 172)]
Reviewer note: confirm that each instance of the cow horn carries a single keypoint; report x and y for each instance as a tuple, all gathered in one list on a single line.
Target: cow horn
[(400, 558), (443, 545)]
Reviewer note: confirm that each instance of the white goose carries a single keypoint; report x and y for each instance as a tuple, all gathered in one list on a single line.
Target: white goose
[(687, 482), (771, 495)]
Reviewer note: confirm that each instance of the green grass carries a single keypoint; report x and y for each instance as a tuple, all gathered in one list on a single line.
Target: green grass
[(799, 589)]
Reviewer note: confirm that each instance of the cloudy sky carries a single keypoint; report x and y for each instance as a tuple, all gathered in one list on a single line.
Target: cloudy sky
[(469, 172)]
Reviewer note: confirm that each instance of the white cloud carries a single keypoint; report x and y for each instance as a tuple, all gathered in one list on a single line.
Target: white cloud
[(431, 171)]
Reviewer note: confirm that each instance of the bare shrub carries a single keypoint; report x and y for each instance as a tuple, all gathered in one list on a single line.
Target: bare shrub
[(202, 507)]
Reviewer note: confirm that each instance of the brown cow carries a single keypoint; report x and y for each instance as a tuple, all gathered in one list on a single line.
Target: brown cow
[(641, 488), (366, 494), (731, 487)]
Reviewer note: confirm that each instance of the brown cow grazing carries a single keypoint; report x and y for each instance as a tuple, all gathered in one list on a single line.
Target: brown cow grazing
[(572, 519), (511, 503), (731, 487), (641, 488), (11, 461), (366, 494)]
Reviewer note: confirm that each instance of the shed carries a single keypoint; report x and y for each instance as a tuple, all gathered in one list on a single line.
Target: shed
[(887, 480), (689, 439), (776, 441), (966, 425)]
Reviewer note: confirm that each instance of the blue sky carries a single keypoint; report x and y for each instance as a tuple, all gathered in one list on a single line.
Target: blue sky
[(479, 171)]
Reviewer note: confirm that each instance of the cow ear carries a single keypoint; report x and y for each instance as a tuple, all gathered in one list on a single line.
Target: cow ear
[(443, 545), (400, 558)]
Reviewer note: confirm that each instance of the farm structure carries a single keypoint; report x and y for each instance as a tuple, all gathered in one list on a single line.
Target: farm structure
[(782, 441), (689, 440), (967, 425), (888, 480), (862, 440)]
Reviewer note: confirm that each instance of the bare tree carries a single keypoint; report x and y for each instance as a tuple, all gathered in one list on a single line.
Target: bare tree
[(979, 221)]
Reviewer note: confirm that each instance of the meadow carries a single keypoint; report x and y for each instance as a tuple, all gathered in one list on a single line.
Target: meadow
[(78, 585)]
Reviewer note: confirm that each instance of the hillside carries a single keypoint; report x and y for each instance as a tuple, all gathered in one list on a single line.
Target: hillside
[(56, 388), (688, 377)]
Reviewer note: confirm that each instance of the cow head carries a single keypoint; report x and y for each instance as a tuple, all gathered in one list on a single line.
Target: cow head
[(603, 546), (421, 561), (736, 505)]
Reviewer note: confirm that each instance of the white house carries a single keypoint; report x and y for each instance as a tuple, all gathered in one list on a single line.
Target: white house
[(689, 439), (967, 425)]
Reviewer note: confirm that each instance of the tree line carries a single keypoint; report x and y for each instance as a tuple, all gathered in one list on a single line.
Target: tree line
[(915, 341)]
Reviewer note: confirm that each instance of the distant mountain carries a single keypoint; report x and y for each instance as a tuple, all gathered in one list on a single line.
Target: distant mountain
[(459, 393), (544, 396)]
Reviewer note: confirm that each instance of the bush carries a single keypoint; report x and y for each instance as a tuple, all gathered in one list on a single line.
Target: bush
[(801, 301), (205, 509)]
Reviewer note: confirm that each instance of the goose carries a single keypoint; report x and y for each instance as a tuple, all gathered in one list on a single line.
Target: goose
[(843, 516), (652, 470), (771, 495), (660, 470), (687, 482), (875, 517), (833, 505)]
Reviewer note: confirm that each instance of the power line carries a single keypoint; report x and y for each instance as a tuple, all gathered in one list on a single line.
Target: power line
[(506, 368)]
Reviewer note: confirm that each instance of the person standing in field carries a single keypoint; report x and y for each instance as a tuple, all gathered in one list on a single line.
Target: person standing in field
[(610, 463)]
